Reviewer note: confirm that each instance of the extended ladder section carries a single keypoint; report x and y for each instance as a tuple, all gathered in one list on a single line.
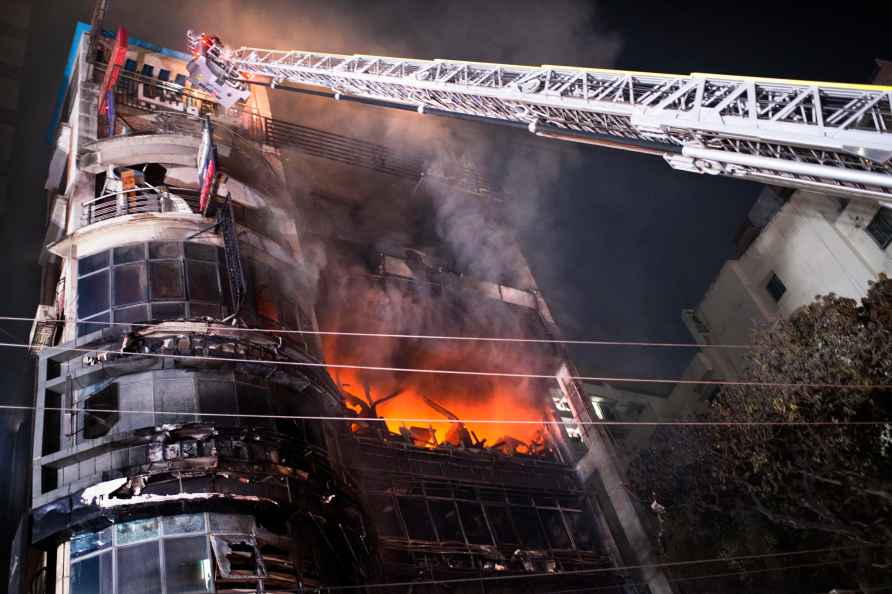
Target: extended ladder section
[(827, 137)]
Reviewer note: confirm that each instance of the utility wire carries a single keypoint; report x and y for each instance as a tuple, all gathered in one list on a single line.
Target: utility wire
[(75, 409), (623, 343), (705, 577), (463, 372), (667, 564)]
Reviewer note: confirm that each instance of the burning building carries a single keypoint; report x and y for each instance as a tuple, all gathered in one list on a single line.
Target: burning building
[(194, 430)]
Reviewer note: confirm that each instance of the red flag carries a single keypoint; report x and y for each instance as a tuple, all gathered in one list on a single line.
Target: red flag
[(113, 67)]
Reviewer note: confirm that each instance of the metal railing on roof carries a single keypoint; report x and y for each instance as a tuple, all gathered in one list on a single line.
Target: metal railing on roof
[(142, 199)]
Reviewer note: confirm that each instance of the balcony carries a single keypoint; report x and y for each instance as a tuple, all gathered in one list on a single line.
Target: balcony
[(144, 198)]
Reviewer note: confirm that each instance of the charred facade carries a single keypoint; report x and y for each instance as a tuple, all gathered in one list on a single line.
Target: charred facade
[(195, 433)]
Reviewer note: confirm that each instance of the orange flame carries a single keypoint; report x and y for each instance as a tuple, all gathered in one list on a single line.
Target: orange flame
[(470, 398)]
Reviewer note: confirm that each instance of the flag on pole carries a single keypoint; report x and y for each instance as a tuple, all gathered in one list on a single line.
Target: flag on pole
[(207, 164)]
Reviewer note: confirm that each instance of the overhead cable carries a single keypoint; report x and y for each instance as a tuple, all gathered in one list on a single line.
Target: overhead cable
[(520, 340), (463, 372)]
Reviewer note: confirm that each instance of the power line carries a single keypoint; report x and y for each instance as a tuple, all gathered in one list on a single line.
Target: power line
[(705, 577), (623, 343), (75, 409), (464, 372), (667, 564)]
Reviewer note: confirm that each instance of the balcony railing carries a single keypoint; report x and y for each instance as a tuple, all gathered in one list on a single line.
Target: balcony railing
[(142, 199)]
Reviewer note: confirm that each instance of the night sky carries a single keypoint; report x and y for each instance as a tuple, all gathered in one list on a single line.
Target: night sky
[(619, 243)]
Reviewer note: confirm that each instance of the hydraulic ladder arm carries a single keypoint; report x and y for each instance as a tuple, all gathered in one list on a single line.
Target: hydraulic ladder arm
[(827, 137)]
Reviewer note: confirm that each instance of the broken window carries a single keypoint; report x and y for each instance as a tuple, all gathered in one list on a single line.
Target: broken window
[(582, 527), (500, 521), (474, 523), (101, 404), (446, 520), (416, 518), (237, 556), (385, 516), (554, 529), (526, 520), (139, 568)]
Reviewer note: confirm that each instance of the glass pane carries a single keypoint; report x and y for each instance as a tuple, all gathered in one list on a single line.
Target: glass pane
[(203, 310), (136, 530), (92, 263), (159, 250), (134, 313), (183, 523), (130, 283), (92, 294), (94, 324), (130, 253), (93, 575), (168, 311), (253, 400), (231, 523), (187, 565), (139, 569), (167, 280), (217, 397), (203, 282), (89, 542), (201, 251)]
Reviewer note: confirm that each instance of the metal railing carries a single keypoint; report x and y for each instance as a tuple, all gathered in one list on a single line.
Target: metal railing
[(142, 199)]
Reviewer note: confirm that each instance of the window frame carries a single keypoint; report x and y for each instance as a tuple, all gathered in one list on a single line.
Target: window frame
[(159, 538), (182, 259), (775, 287), (883, 219)]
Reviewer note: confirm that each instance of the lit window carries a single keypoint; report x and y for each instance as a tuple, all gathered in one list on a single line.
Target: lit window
[(880, 227), (775, 287)]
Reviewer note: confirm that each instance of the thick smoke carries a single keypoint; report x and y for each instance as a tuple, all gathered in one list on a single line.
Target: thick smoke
[(510, 31)]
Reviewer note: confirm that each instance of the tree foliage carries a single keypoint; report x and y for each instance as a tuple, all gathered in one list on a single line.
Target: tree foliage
[(814, 477)]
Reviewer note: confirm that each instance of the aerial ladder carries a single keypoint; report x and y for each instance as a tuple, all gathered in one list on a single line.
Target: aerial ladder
[(831, 138)]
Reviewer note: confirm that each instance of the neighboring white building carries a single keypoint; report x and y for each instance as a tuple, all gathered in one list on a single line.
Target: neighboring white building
[(812, 245), (794, 247)]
